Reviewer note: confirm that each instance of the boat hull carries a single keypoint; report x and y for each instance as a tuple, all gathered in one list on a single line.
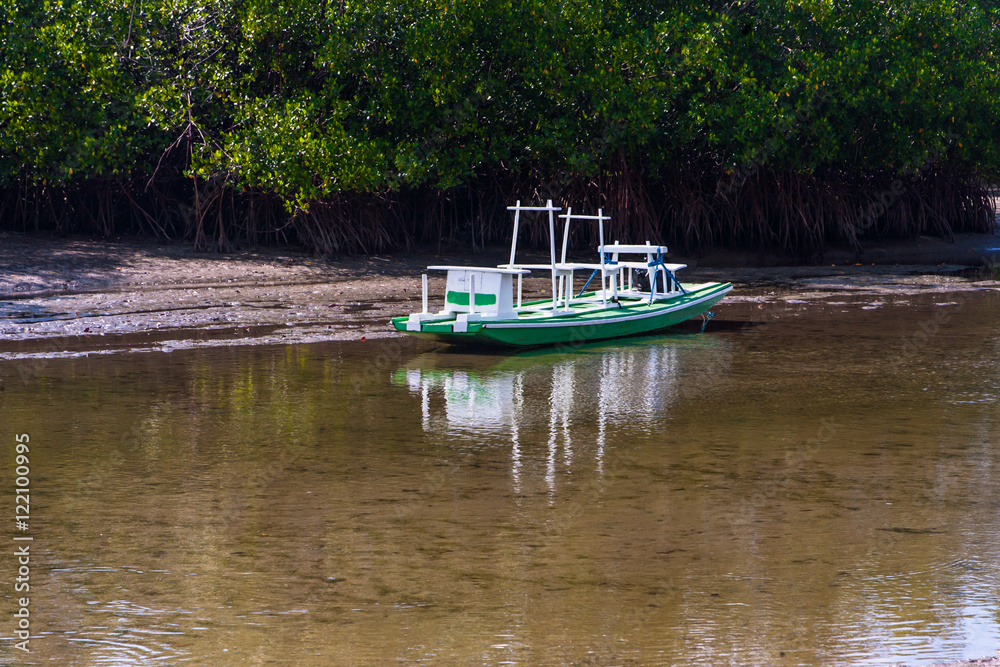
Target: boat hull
[(624, 319)]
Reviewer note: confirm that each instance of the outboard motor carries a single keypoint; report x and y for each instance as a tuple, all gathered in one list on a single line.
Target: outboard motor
[(640, 281)]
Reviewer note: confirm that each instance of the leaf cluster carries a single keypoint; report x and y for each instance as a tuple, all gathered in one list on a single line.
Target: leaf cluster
[(309, 99)]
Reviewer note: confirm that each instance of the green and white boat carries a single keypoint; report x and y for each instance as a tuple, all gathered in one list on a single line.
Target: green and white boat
[(632, 297)]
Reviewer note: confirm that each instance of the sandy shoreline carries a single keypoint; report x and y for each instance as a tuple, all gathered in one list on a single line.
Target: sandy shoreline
[(67, 297)]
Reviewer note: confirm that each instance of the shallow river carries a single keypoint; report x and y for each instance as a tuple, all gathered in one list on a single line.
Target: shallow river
[(821, 486)]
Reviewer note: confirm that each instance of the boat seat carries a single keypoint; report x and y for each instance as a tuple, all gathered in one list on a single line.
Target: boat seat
[(582, 266), (633, 249), (563, 267), (515, 270), (654, 259)]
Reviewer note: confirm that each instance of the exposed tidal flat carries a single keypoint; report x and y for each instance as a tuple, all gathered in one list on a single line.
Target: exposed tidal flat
[(68, 297), (812, 481)]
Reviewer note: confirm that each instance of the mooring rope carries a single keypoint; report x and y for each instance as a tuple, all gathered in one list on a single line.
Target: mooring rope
[(706, 316)]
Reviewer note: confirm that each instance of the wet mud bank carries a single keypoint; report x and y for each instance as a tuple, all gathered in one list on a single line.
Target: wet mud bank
[(80, 297)]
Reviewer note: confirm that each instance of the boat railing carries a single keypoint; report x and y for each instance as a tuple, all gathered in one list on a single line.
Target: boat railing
[(653, 264), (493, 296)]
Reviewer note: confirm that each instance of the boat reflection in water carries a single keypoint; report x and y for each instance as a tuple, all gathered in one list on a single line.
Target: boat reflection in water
[(578, 402)]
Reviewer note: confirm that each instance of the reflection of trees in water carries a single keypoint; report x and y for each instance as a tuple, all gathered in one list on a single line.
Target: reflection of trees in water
[(560, 399)]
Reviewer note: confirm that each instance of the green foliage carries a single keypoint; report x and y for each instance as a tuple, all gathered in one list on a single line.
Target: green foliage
[(65, 112), (307, 100)]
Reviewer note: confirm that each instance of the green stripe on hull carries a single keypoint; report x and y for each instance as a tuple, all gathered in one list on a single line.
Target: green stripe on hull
[(462, 299), (582, 325)]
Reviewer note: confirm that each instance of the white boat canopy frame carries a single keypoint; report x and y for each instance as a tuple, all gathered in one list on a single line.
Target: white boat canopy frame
[(609, 265), (562, 272), (517, 208), (492, 297), (567, 285)]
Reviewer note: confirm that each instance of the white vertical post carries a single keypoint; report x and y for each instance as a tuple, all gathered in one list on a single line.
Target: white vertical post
[(472, 292), (566, 284), (600, 250), (520, 288), (552, 253), (568, 289), (651, 274), (568, 216), (614, 281), (423, 281), (513, 241)]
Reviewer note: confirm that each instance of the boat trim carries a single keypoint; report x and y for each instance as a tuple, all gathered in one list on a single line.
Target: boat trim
[(624, 318)]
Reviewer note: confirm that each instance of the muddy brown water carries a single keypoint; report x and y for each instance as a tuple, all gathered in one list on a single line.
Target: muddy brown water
[(820, 487)]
